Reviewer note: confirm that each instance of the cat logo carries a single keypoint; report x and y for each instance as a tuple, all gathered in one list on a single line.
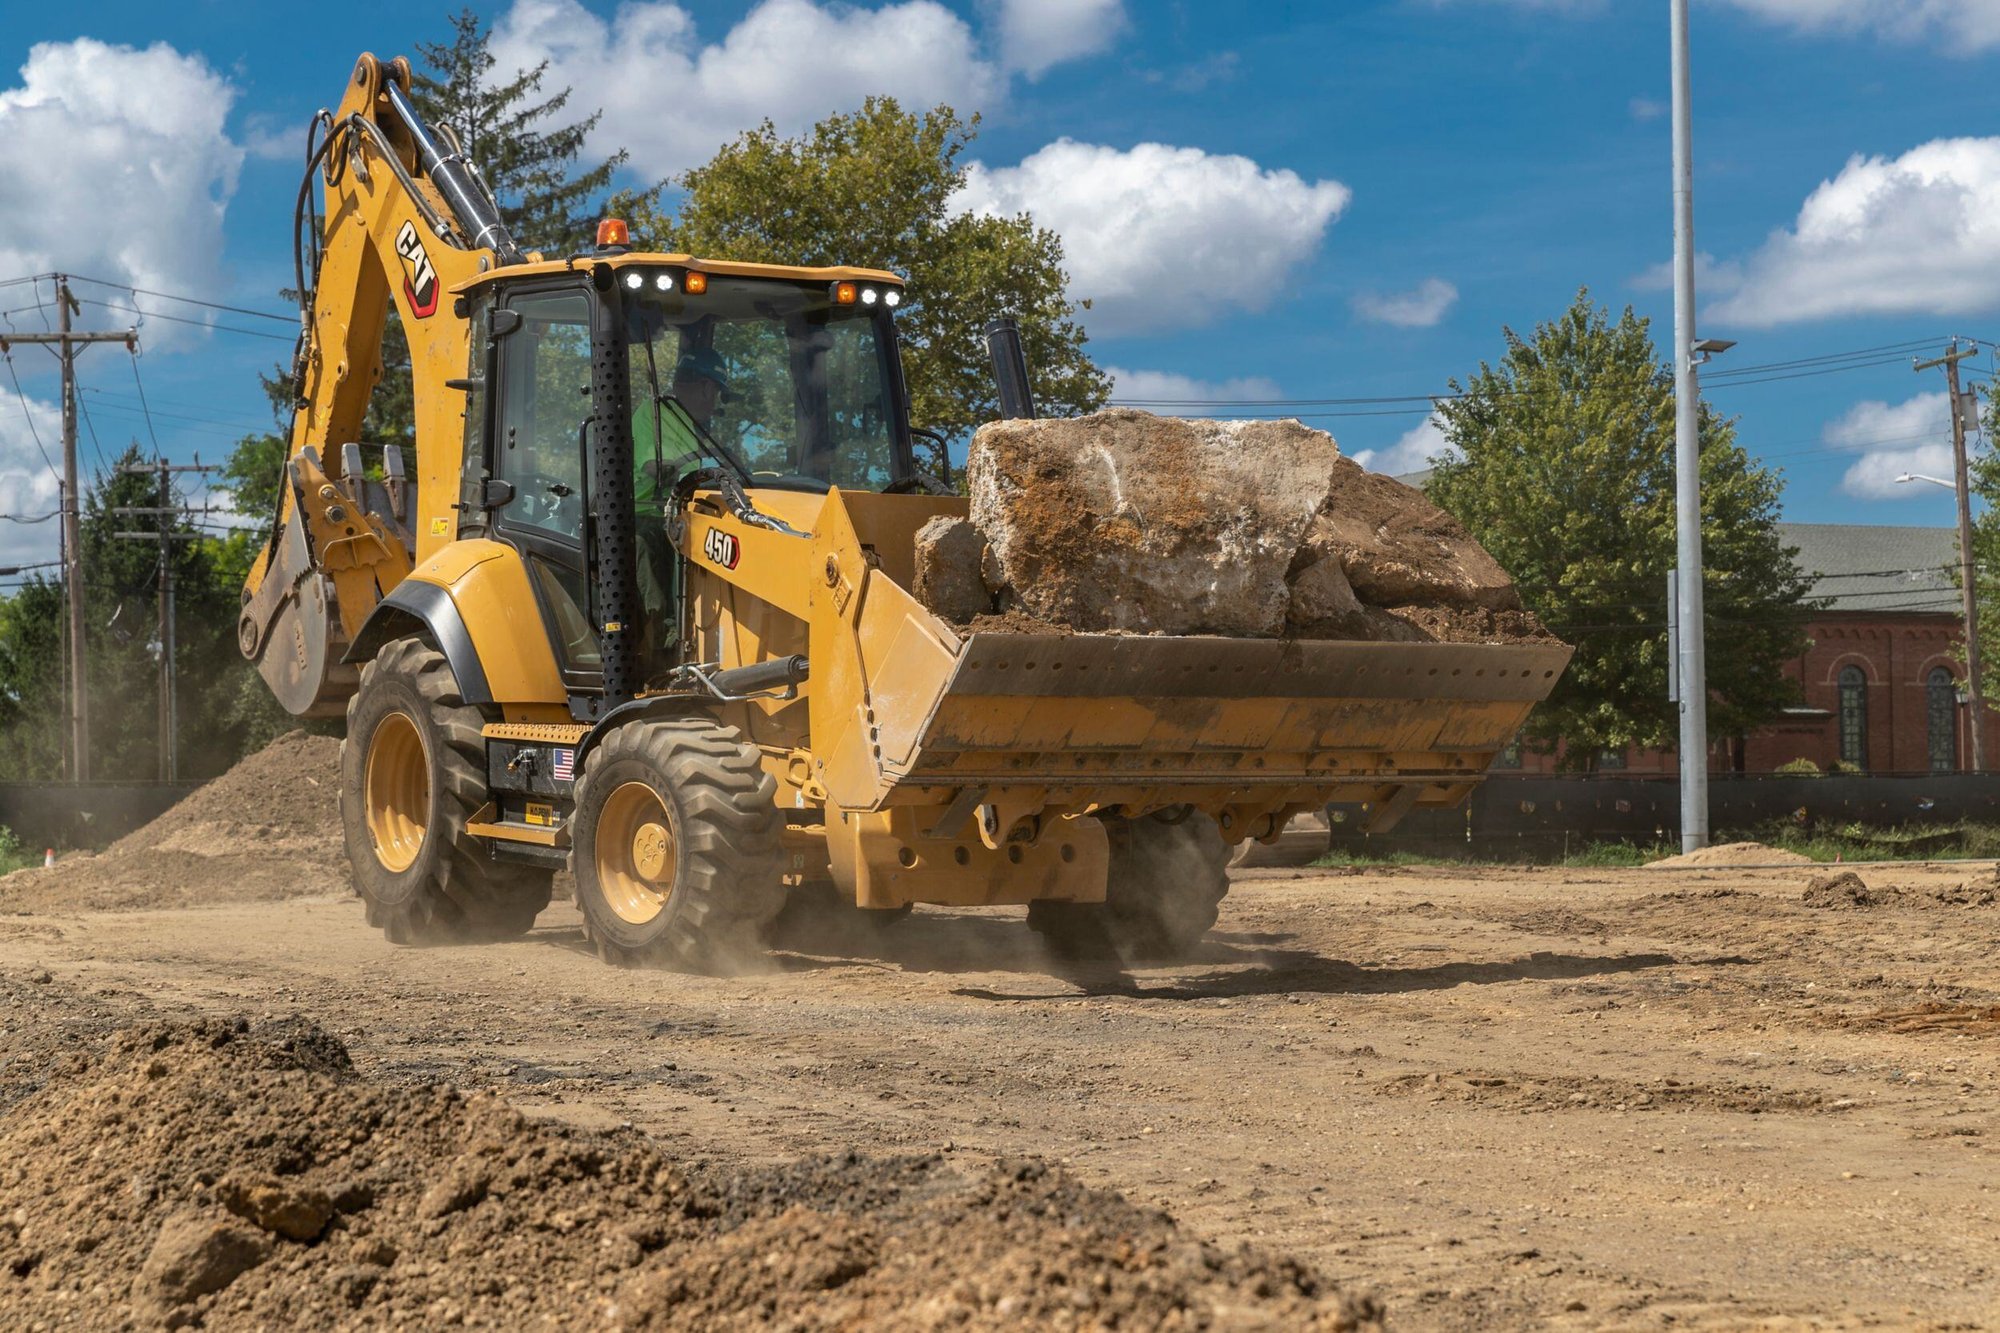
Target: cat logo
[(420, 280), (721, 548)]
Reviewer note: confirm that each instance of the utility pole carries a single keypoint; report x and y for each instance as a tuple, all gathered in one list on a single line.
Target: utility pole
[(68, 346), (166, 511), (1952, 356), (1692, 667)]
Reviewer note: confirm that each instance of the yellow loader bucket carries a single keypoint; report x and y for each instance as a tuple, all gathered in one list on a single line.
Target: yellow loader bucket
[(909, 712)]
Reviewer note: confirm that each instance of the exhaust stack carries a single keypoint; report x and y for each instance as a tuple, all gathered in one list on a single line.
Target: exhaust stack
[(1010, 369)]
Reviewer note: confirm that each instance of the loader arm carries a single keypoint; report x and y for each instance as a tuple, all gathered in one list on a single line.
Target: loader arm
[(404, 220)]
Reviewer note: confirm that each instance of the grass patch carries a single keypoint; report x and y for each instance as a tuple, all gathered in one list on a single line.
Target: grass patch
[(12, 856), (1851, 842)]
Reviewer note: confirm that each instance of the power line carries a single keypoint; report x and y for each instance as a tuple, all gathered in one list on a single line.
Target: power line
[(197, 323), (188, 300), (142, 404), (22, 398)]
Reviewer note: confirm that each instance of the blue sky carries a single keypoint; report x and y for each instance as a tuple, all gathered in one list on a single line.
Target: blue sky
[(1278, 201)]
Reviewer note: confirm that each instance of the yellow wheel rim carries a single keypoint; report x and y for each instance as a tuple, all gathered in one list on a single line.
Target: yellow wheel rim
[(636, 853), (397, 791)]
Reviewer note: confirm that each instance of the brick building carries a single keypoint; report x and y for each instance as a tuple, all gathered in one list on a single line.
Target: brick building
[(1881, 677)]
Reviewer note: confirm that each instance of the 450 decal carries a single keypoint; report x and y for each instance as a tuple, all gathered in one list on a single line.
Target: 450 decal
[(721, 548)]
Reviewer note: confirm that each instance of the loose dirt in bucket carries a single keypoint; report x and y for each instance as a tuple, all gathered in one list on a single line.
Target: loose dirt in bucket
[(267, 829), (217, 1173)]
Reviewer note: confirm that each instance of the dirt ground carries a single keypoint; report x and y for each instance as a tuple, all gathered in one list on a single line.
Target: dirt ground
[(1584, 1098)]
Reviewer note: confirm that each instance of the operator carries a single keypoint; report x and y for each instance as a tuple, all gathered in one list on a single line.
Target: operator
[(701, 382), (659, 453)]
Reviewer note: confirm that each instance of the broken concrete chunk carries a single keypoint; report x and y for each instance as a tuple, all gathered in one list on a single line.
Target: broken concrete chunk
[(1400, 549), (1323, 603), (1126, 521), (952, 559)]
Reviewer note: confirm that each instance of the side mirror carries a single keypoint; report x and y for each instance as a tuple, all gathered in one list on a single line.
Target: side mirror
[(496, 493), (502, 322)]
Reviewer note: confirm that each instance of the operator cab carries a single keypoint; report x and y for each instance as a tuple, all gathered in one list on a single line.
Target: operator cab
[(601, 387)]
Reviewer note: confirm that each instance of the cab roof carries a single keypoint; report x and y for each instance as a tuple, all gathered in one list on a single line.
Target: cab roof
[(724, 268)]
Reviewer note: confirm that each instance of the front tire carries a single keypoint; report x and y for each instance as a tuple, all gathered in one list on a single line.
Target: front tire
[(412, 771), (1164, 891), (677, 854)]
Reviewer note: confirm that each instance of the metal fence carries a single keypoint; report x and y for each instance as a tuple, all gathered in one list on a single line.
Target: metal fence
[(1543, 818), (89, 814)]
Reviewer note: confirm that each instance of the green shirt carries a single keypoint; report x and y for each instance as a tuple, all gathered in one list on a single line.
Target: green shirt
[(675, 442)]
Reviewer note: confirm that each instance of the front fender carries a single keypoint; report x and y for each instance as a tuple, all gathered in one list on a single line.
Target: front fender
[(473, 600)]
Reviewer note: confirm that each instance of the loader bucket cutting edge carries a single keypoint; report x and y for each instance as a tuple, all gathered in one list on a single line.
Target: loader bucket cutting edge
[(1199, 712)]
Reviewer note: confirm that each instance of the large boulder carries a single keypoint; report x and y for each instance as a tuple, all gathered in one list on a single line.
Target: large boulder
[(1399, 549), (1126, 521)]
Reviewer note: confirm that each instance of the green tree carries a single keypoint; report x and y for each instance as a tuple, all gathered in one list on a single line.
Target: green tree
[(215, 721), (873, 189), (1566, 475)]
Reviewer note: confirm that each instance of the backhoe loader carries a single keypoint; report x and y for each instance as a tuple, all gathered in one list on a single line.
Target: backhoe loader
[(642, 609)]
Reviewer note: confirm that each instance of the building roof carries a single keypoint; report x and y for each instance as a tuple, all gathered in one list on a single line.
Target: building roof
[(1869, 567), (1862, 567)]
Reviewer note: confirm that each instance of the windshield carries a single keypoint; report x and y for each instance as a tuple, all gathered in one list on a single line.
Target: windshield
[(769, 377)]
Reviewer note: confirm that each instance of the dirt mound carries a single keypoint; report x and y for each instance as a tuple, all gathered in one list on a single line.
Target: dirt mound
[(269, 828), (1122, 521), (1982, 890), (1731, 854), (214, 1173), (1845, 889)]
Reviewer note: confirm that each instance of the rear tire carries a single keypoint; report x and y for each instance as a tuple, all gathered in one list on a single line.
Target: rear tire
[(1164, 890), (677, 854), (412, 771)]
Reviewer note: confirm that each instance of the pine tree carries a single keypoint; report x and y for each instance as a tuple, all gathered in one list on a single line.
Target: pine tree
[(545, 200)]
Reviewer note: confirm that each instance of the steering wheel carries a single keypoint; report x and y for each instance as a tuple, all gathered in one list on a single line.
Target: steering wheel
[(544, 500)]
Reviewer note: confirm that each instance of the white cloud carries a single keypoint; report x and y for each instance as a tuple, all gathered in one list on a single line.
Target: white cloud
[(1959, 27), (1647, 108), (114, 163), (672, 100), (1168, 393), (1892, 439), (27, 487), (1413, 452), (1712, 277), (1163, 237), (1036, 34), (1419, 308), (1909, 235)]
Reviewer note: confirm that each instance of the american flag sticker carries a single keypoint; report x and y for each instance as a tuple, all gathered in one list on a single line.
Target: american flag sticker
[(565, 765)]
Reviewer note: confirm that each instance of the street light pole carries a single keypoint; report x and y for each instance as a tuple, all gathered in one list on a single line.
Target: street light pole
[(1692, 665)]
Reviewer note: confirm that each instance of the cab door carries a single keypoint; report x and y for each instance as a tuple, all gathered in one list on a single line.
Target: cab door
[(541, 402)]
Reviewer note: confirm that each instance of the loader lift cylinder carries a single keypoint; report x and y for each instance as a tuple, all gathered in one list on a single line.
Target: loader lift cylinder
[(1010, 369), (454, 176)]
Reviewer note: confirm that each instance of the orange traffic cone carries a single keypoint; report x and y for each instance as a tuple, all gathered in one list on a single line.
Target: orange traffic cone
[(49, 859)]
